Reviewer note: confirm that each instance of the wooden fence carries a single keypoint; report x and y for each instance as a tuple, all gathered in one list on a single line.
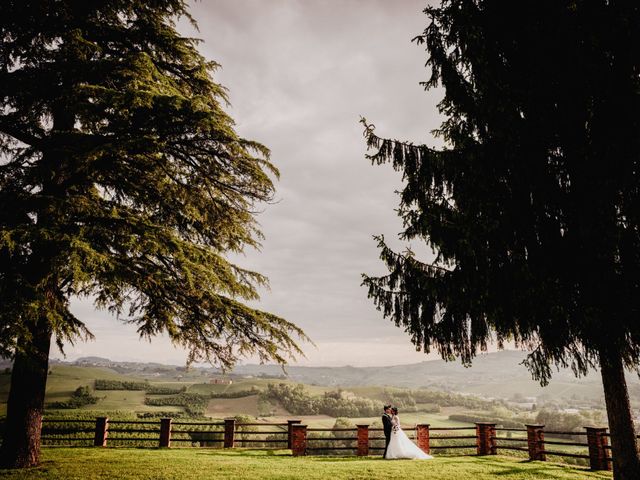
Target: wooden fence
[(361, 440), (165, 433)]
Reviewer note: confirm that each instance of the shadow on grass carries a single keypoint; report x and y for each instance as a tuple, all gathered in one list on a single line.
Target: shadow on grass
[(546, 470), (236, 452), (285, 453), (328, 458)]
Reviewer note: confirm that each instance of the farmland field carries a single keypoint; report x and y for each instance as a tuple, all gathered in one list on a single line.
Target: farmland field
[(64, 379)]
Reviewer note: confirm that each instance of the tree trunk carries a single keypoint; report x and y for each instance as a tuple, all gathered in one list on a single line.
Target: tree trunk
[(626, 463), (21, 445)]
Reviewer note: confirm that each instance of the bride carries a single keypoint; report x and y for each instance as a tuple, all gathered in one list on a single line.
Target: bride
[(400, 446)]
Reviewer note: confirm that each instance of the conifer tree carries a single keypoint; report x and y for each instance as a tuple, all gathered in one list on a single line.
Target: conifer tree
[(121, 180), (532, 207)]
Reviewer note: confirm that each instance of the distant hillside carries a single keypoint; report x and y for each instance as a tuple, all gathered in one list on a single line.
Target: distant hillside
[(490, 368), (498, 375), (91, 360), (493, 375)]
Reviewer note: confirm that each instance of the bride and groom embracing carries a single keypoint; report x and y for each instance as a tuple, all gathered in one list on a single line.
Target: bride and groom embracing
[(397, 444)]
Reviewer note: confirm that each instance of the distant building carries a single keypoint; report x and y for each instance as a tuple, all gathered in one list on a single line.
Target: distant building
[(221, 381), (570, 410)]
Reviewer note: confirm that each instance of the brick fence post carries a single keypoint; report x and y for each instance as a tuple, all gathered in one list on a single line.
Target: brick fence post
[(290, 424), (535, 442), (229, 432), (165, 432), (363, 440), (299, 440), (102, 430), (486, 438), (598, 442), (422, 432)]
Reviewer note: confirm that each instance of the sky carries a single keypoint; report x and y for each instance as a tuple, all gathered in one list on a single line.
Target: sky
[(300, 73)]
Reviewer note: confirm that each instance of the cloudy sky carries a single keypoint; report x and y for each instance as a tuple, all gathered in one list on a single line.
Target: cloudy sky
[(300, 73)]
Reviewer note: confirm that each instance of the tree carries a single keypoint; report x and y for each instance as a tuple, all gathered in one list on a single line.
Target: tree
[(532, 208), (122, 180)]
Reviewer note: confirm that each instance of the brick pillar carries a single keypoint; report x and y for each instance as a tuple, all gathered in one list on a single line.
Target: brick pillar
[(535, 442), (363, 440), (290, 424), (422, 432), (598, 455), (102, 430), (229, 432), (486, 438), (299, 440), (165, 432)]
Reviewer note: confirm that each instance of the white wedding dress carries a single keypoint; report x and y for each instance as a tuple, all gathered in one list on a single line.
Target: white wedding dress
[(400, 446)]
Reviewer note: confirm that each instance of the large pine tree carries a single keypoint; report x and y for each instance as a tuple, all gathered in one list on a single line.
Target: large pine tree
[(533, 207), (121, 180)]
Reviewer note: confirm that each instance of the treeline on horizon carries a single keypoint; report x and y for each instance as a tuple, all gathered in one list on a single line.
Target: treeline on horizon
[(341, 403)]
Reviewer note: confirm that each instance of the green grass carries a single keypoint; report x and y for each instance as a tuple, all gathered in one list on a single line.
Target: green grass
[(236, 386), (203, 464), (126, 400), (229, 407), (64, 379)]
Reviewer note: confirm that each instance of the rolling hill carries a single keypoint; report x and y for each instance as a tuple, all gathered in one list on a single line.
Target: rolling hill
[(492, 376)]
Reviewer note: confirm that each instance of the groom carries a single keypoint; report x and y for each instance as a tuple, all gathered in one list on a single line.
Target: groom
[(386, 426)]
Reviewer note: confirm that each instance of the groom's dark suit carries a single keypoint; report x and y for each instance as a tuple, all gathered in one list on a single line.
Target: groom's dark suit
[(386, 426)]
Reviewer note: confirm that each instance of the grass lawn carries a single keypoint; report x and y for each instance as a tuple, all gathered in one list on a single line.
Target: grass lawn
[(203, 464)]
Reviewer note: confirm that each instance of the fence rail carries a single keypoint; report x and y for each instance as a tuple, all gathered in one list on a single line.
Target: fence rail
[(303, 440)]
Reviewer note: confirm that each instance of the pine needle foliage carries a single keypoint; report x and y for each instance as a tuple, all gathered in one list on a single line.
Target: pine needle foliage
[(122, 179), (533, 207)]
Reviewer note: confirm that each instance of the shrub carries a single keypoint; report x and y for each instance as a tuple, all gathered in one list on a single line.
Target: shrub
[(120, 385), (237, 393), (157, 390), (193, 403), (80, 397), (296, 400)]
